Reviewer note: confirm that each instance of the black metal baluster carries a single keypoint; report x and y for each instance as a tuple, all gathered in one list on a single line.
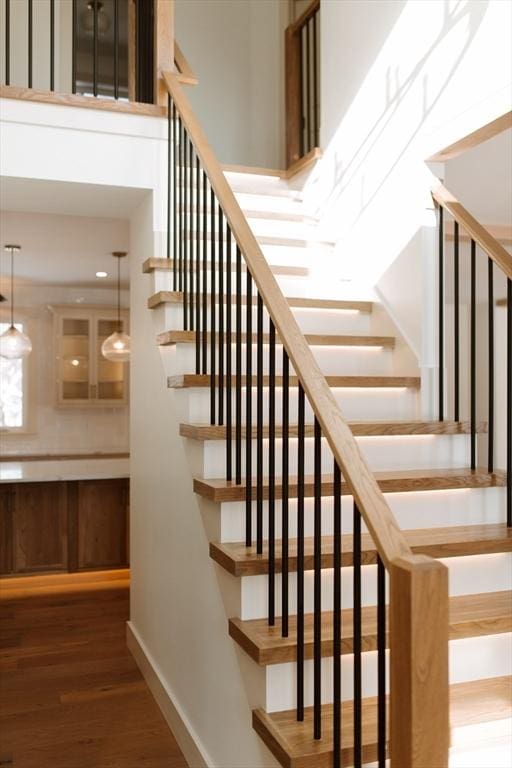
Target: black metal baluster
[(490, 430), (308, 91), (381, 663), (316, 141), (7, 42), (52, 45), (285, 495), (509, 402), (169, 162), (73, 45), (271, 473), (456, 323), (248, 412), (191, 239), (186, 230), (259, 426), (175, 202), (301, 34), (181, 211), (336, 627), (30, 41), (300, 554), (357, 637), (95, 48), (238, 378), (229, 394), (317, 585), (441, 313), (473, 355), (205, 274), (198, 267), (116, 49), (221, 316), (213, 299)]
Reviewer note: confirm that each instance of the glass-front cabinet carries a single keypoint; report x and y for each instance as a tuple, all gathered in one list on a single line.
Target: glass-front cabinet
[(83, 376)]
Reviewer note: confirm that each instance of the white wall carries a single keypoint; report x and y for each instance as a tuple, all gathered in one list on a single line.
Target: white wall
[(177, 612), (236, 50), (400, 80), (481, 178)]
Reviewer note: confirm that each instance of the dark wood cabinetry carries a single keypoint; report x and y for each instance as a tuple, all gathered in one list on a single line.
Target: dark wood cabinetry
[(63, 526)]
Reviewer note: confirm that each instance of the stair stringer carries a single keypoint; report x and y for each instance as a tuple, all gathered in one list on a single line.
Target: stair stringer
[(179, 599)]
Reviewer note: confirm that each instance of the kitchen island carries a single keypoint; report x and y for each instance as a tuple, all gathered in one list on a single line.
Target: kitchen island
[(63, 514)]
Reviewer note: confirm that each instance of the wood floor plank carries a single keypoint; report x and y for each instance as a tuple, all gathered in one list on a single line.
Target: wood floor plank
[(71, 695)]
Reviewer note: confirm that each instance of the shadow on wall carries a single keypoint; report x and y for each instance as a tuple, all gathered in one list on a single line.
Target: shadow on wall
[(456, 15), (428, 70)]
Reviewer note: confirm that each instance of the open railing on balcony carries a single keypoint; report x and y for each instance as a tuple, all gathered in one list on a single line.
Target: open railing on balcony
[(232, 302), (98, 53), (455, 368), (302, 83)]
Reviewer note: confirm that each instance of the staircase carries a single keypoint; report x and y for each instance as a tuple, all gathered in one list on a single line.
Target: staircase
[(442, 509)]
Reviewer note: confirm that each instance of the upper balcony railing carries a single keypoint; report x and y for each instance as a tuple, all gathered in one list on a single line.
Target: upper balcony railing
[(106, 54)]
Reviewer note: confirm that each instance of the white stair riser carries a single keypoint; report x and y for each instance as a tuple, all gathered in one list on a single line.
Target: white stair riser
[(468, 575), (309, 320), (413, 510), (472, 658), (382, 453), (355, 403), (291, 285), (341, 361)]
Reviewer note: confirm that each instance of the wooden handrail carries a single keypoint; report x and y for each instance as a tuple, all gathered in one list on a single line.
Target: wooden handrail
[(368, 496), (418, 585), (305, 16), (475, 230), (186, 74)]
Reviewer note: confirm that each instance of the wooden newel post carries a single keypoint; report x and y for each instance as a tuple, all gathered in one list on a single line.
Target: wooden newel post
[(164, 47), (419, 718)]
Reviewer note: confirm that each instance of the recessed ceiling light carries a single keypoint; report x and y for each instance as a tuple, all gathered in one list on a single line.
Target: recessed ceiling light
[(101, 274), (75, 362)]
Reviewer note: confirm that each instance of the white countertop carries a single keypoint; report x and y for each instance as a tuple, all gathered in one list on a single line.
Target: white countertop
[(63, 469)]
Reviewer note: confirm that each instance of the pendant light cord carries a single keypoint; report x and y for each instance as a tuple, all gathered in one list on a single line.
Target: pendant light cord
[(12, 287), (119, 295)]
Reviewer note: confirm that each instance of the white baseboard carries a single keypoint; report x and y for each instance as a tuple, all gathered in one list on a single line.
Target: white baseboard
[(178, 723)]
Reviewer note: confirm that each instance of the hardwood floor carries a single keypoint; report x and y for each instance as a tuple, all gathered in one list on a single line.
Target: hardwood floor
[(71, 695)]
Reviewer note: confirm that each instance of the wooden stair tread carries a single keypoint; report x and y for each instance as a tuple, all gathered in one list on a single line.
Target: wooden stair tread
[(453, 541), (470, 616), (297, 302), (314, 339), (188, 380), (293, 745), (157, 263), (397, 481), (359, 429)]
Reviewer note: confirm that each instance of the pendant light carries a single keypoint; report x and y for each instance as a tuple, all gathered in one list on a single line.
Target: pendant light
[(117, 346), (14, 343)]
